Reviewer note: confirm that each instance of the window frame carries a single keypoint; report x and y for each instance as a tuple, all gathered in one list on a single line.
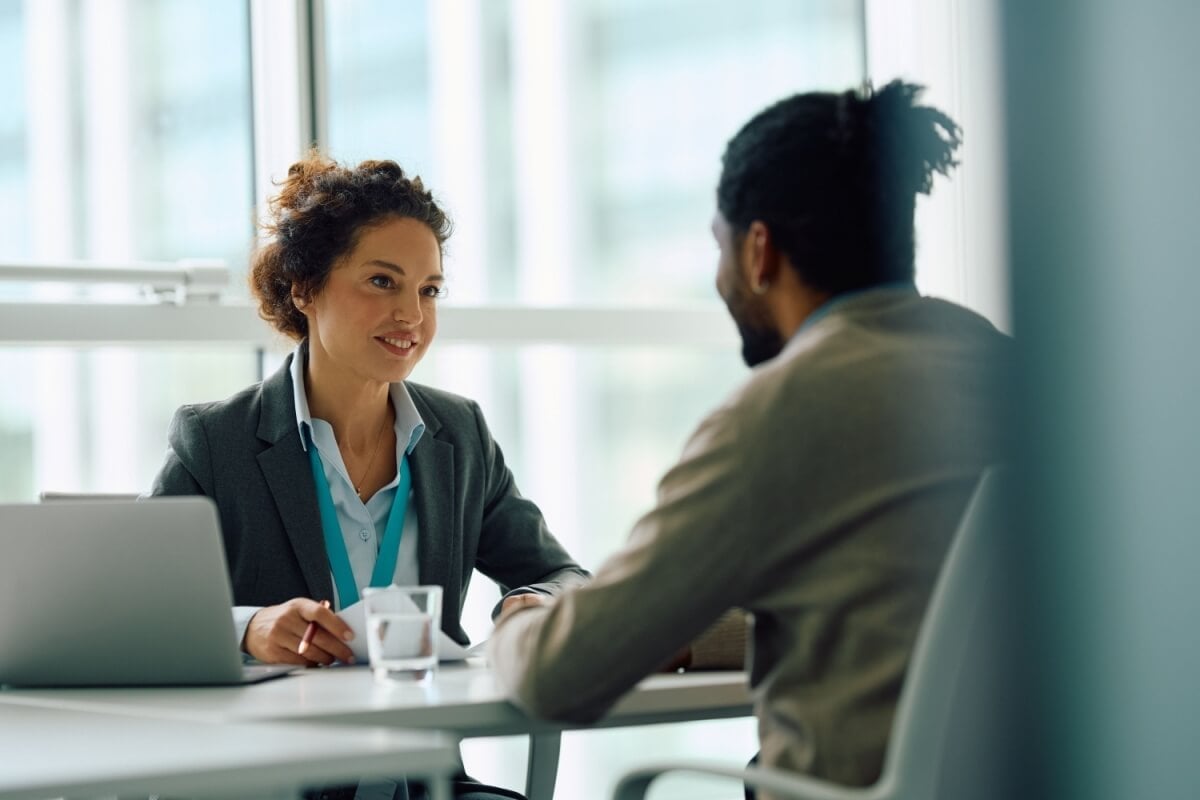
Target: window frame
[(290, 110)]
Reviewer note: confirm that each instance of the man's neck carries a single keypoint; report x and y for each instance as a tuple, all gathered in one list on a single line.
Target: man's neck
[(793, 304)]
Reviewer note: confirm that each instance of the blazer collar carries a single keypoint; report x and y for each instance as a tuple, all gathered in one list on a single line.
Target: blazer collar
[(433, 423), (278, 418)]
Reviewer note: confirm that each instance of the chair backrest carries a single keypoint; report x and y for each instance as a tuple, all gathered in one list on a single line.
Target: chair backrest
[(944, 672)]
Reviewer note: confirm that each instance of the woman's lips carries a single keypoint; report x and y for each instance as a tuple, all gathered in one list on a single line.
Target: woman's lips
[(400, 346)]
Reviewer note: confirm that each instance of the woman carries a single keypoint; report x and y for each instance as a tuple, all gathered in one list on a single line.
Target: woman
[(317, 469)]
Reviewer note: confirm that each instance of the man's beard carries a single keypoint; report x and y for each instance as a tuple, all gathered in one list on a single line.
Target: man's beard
[(760, 341)]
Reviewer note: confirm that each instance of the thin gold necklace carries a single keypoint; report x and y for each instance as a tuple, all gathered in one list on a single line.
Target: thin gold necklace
[(367, 471)]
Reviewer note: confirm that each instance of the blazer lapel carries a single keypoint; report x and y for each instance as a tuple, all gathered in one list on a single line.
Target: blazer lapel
[(432, 462), (285, 467)]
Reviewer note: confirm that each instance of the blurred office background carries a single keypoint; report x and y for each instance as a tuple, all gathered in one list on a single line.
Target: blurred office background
[(1103, 165), (576, 143)]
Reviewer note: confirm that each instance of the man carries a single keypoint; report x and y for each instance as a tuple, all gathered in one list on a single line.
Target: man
[(822, 495)]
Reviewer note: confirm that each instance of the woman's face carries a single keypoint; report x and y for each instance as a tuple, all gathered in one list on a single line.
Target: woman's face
[(377, 314)]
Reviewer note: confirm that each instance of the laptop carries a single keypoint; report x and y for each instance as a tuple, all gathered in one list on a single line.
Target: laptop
[(117, 592)]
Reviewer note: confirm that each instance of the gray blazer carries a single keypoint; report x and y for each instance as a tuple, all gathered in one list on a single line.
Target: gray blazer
[(245, 453)]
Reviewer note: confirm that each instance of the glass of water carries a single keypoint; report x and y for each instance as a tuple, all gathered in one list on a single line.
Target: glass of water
[(402, 630)]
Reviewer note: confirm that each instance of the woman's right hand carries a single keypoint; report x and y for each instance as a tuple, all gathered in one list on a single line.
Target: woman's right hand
[(274, 633)]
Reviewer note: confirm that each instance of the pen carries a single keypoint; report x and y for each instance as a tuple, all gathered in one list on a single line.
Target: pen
[(310, 632)]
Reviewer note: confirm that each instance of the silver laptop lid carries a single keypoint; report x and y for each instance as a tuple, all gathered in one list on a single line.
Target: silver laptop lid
[(115, 592)]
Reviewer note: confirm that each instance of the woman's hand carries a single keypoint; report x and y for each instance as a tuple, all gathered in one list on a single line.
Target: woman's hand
[(274, 633)]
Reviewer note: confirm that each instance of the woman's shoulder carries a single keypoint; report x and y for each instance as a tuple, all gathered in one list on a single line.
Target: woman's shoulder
[(233, 406), (439, 399), (240, 412), (441, 409)]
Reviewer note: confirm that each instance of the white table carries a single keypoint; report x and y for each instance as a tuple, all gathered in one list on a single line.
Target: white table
[(54, 752), (463, 699)]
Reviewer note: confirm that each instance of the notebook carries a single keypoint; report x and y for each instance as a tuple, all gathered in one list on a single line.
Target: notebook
[(117, 592)]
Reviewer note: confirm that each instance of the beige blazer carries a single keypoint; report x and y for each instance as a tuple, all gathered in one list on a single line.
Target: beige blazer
[(821, 497)]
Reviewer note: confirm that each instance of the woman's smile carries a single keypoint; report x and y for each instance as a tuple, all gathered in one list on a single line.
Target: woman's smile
[(403, 346)]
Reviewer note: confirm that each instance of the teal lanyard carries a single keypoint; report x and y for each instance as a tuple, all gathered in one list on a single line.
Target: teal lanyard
[(335, 545)]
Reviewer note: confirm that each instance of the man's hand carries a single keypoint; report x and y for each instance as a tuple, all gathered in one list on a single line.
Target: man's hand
[(274, 633), (512, 605)]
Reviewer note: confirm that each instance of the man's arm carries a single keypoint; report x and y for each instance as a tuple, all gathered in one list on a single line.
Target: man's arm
[(685, 565)]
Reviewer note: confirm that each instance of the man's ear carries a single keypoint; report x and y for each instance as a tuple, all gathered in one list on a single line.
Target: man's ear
[(760, 257)]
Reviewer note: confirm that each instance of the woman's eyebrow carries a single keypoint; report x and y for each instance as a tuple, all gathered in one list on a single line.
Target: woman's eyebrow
[(388, 265)]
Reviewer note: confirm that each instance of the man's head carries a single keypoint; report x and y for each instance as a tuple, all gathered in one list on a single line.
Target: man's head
[(823, 186)]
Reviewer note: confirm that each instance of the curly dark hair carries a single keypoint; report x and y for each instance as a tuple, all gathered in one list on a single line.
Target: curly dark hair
[(316, 219), (834, 177)]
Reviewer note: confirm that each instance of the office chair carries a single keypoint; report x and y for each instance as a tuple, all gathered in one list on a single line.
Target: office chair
[(943, 735)]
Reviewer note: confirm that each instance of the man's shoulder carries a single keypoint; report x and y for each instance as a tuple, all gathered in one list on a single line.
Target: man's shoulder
[(967, 321), (865, 349), (892, 325)]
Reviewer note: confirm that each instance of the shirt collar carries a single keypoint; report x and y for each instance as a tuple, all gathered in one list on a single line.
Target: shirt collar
[(409, 425), (839, 300)]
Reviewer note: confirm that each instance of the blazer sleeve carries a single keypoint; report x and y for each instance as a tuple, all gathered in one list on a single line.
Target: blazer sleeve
[(516, 548), (187, 467), (684, 566)]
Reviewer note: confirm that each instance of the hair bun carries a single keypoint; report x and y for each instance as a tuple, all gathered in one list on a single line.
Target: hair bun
[(914, 140), (386, 168)]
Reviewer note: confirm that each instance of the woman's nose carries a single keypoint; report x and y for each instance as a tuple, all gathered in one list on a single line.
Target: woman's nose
[(408, 310)]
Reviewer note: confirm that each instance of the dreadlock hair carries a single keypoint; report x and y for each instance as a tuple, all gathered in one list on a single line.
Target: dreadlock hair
[(834, 177)]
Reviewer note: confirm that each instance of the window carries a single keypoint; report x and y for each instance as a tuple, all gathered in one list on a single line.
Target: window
[(577, 144), (126, 138)]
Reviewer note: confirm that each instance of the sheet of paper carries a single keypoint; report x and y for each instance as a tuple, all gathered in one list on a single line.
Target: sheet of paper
[(355, 616)]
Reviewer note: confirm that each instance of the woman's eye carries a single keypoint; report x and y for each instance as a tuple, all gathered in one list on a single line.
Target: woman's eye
[(437, 292), (381, 281)]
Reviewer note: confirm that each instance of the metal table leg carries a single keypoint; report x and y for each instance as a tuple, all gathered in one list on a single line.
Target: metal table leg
[(542, 770)]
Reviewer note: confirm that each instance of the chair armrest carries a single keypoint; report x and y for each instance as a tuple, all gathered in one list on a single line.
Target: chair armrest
[(634, 784)]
